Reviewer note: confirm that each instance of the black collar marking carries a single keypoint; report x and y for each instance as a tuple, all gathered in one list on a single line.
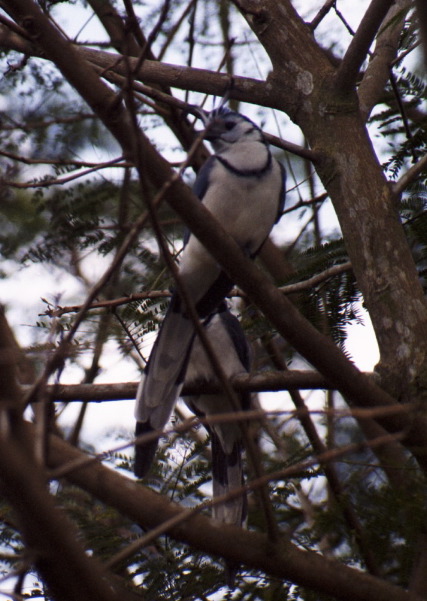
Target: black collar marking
[(247, 172)]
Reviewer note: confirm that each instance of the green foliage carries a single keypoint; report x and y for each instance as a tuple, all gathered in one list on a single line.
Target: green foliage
[(406, 132), (414, 216), (333, 303)]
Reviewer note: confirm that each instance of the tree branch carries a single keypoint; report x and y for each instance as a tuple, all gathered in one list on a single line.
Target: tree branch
[(322, 14), (378, 71), (152, 72), (357, 52), (154, 294), (337, 490), (407, 178), (261, 382), (283, 560), (422, 20)]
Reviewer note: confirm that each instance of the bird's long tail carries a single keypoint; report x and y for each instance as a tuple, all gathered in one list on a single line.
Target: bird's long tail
[(227, 475), (162, 382)]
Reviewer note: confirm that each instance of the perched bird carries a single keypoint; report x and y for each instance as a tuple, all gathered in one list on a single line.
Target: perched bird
[(243, 186), (229, 344)]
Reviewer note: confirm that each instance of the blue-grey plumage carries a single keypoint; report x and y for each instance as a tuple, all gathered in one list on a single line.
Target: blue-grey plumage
[(230, 346), (243, 186)]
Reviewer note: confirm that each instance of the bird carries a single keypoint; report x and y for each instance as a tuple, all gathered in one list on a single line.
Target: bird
[(243, 186)]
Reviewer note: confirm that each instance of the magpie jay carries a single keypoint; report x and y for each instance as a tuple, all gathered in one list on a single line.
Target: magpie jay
[(243, 186)]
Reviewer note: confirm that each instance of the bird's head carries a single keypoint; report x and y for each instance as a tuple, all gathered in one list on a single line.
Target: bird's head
[(224, 128)]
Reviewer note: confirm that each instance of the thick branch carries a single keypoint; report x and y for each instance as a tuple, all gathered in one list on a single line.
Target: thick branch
[(378, 71), (360, 44), (154, 72), (264, 381), (422, 19), (10, 358), (354, 180)]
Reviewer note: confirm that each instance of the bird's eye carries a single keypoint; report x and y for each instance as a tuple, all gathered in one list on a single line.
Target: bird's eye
[(229, 125)]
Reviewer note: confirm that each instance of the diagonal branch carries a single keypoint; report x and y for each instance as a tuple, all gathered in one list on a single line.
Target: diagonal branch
[(359, 47), (344, 503), (378, 71), (409, 176)]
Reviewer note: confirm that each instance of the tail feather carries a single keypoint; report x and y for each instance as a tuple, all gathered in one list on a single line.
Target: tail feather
[(163, 377), (144, 453), (166, 368), (227, 475), (162, 381)]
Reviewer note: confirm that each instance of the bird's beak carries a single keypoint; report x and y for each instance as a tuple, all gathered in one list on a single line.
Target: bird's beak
[(214, 129)]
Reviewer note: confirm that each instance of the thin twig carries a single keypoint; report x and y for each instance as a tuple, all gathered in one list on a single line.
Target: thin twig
[(306, 203), (59, 181), (253, 415), (62, 162), (402, 55), (321, 14), (316, 279), (402, 111), (158, 294), (332, 476)]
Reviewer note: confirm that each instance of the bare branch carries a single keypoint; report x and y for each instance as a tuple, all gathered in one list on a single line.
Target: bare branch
[(378, 70), (316, 279), (59, 181), (305, 153), (331, 473), (154, 72), (359, 47), (271, 381), (322, 14), (62, 162), (154, 294), (407, 178)]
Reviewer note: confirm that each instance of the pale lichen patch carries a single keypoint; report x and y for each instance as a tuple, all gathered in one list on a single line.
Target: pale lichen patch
[(305, 82)]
